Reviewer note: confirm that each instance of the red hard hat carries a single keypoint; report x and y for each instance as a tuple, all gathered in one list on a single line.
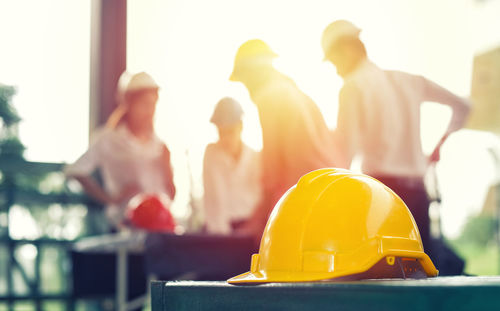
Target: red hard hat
[(150, 212)]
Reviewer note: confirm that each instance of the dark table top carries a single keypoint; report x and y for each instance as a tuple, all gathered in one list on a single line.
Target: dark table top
[(442, 293)]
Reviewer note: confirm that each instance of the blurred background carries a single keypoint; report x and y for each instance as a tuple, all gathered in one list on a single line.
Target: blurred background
[(188, 46)]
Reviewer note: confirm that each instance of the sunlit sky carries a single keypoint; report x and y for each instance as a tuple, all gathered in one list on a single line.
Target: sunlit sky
[(189, 46)]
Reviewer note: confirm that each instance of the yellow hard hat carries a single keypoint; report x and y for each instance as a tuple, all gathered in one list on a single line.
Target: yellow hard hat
[(338, 224), (252, 52)]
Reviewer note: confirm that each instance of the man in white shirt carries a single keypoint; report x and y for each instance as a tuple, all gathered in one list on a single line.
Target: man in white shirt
[(379, 119), (231, 172)]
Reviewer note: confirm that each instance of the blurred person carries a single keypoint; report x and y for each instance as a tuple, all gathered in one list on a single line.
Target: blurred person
[(128, 153), (379, 119), (295, 137), (231, 172)]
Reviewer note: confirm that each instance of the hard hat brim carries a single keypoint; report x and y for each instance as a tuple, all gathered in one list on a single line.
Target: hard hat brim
[(258, 277)]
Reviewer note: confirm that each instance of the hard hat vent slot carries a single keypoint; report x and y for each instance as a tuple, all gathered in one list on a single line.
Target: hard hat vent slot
[(401, 268)]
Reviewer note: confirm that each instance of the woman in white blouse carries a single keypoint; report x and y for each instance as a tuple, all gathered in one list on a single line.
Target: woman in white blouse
[(231, 173), (129, 155)]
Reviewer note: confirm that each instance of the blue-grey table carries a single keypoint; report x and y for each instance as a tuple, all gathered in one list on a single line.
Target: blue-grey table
[(442, 293)]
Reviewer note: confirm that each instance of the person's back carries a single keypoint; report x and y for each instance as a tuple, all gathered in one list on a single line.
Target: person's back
[(389, 115), (296, 139)]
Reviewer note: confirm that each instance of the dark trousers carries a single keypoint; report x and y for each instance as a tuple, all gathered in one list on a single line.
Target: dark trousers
[(413, 193)]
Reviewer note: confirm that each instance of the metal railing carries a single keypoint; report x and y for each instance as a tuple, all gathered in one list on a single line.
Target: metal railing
[(24, 282)]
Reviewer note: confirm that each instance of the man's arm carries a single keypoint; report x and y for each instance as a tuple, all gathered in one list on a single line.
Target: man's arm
[(93, 189), (82, 170), (460, 106), (460, 110)]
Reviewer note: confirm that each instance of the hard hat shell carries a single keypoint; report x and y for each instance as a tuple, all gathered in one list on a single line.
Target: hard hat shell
[(141, 81), (227, 112), (150, 212), (336, 30), (252, 52), (332, 224), (121, 86)]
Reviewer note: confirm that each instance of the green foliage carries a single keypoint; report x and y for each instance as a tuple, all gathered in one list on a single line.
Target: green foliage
[(479, 230), (10, 145), (479, 259), (477, 245), (11, 148), (7, 113)]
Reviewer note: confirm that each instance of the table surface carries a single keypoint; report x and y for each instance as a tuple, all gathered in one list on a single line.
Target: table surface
[(442, 293), (112, 243)]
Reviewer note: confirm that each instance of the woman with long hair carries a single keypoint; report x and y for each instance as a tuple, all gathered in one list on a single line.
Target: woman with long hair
[(128, 153)]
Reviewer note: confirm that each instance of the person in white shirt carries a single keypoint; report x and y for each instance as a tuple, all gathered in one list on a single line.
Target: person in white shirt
[(129, 155), (231, 172), (379, 119)]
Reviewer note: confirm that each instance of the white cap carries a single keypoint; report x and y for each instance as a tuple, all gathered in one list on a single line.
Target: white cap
[(336, 30), (141, 81), (227, 112)]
